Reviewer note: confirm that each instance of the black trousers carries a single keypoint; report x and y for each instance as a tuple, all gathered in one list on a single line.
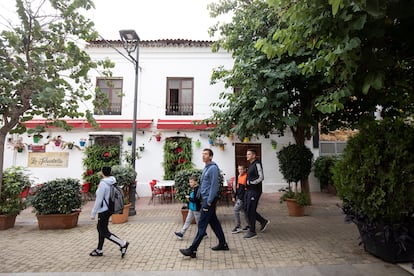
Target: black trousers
[(251, 200), (103, 231)]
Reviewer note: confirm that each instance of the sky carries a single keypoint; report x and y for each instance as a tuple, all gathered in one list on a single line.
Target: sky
[(151, 19)]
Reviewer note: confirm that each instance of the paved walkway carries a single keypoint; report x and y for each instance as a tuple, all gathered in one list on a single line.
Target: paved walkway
[(317, 244)]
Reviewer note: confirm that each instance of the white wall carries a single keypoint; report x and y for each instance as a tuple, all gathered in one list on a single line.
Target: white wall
[(156, 64)]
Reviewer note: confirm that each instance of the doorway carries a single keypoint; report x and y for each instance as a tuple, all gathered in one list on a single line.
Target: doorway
[(240, 154)]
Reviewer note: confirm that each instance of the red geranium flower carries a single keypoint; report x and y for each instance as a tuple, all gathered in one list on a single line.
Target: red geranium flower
[(106, 154), (178, 150)]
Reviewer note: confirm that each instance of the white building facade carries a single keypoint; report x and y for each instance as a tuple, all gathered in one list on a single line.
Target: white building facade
[(174, 90)]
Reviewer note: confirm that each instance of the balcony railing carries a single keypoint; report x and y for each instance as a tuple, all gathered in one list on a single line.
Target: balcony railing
[(179, 109)]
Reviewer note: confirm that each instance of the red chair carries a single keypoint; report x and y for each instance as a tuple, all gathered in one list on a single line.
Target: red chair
[(228, 190), (155, 192), (85, 191), (24, 194)]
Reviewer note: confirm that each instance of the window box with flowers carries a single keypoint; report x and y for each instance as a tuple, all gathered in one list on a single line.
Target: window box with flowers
[(177, 156)]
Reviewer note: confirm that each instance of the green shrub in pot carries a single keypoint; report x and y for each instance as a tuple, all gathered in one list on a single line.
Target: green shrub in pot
[(295, 164), (15, 180), (125, 177), (59, 196), (375, 180)]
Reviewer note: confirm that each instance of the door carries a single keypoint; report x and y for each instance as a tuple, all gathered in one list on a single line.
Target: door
[(240, 154)]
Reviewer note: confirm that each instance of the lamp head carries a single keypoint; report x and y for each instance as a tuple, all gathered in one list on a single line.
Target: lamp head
[(130, 40)]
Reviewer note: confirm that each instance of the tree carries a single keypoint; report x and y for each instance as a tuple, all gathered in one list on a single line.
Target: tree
[(302, 63), (44, 68), (363, 49)]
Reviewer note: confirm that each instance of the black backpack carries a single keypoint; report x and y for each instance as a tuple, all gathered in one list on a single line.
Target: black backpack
[(116, 200)]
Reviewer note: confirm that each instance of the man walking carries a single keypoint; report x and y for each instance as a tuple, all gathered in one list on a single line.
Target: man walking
[(208, 192), (254, 190)]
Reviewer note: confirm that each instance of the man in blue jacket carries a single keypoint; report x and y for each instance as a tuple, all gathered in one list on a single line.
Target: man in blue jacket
[(208, 192)]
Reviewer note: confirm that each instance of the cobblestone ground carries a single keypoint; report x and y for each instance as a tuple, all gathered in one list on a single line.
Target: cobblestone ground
[(320, 238)]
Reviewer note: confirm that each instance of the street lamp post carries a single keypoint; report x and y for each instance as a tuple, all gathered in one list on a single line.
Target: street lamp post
[(130, 42)]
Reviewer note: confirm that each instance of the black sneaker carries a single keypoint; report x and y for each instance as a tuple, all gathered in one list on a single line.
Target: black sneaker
[(236, 230), (188, 252), (247, 228), (96, 253), (220, 247), (179, 235), (250, 235), (124, 249), (264, 226)]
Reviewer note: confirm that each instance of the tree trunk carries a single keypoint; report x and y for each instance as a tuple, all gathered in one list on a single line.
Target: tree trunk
[(2, 144), (299, 136)]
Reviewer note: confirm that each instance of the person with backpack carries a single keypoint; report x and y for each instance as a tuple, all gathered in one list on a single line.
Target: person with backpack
[(101, 207)]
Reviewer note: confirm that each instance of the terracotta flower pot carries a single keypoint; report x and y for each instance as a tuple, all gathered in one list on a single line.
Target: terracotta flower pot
[(58, 221), (7, 221), (121, 218), (294, 209), (184, 213)]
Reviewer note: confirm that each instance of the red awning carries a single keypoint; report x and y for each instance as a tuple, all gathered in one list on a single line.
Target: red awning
[(183, 124), (103, 123)]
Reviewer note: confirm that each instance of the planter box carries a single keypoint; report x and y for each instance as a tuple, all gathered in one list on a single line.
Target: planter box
[(388, 250), (57, 221), (121, 218), (184, 213), (7, 221), (294, 209)]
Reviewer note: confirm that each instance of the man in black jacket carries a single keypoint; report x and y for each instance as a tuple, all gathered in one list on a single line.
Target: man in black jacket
[(254, 190)]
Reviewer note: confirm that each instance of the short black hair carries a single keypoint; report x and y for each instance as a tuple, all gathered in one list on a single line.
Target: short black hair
[(252, 151), (210, 152), (106, 171)]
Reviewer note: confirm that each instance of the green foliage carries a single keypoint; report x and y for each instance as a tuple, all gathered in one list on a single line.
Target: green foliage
[(60, 196), (375, 177), (295, 162), (95, 159), (181, 183), (182, 186), (302, 199), (15, 180), (125, 177), (322, 168), (178, 153)]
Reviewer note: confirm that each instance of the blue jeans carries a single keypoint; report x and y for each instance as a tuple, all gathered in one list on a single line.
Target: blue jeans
[(208, 216)]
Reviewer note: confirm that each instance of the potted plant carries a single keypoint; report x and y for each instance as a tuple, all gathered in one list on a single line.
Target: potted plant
[(375, 180), (273, 143), (125, 177), (129, 141), (57, 204), (295, 164), (15, 181), (37, 133), (182, 187), (82, 142), (158, 136), (322, 168)]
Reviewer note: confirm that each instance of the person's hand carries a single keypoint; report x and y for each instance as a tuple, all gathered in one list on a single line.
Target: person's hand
[(233, 199), (187, 196)]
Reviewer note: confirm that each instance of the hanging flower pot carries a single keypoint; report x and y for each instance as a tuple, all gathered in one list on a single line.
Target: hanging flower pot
[(246, 140), (106, 156), (82, 142), (158, 138), (36, 138), (197, 144), (210, 141)]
